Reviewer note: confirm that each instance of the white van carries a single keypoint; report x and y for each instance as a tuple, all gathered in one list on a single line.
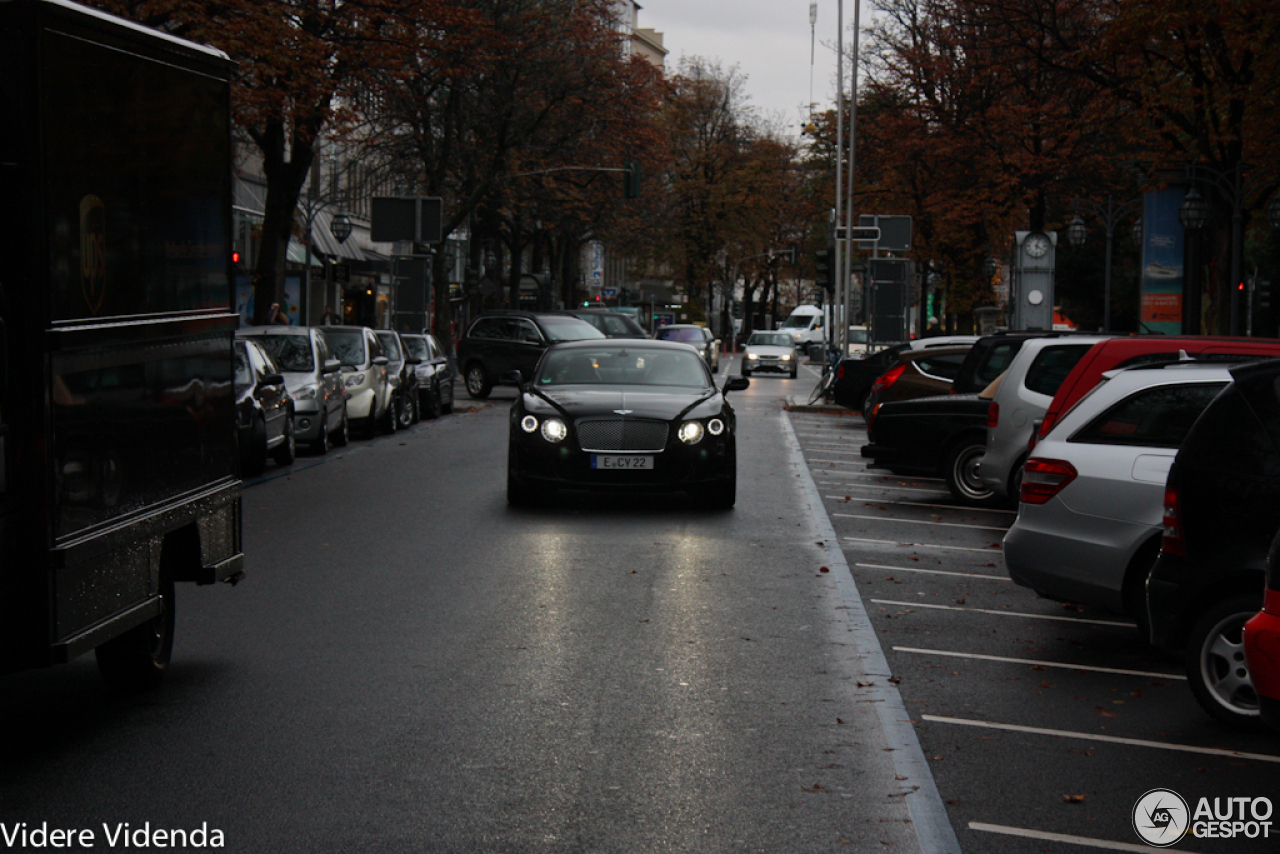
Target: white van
[(805, 325)]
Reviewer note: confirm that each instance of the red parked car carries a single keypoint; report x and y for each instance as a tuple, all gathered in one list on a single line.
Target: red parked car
[(1262, 643)]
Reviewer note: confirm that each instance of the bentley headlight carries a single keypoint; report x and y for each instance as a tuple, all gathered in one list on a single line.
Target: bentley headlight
[(354, 380), (690, 432), (715, 426), (528, 424), (553, 430)]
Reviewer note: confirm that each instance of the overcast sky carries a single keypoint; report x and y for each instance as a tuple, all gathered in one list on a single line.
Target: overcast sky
[(768, 40)]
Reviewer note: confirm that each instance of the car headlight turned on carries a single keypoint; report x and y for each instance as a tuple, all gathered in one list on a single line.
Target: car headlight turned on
[(752, 357), (553, 430), (528, 424), (786, 357), (715, 426), (690, 432), (354, 380)]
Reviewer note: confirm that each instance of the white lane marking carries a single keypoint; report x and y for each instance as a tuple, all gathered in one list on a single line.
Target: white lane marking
[(1146, 674), (1046, 836), (1006, 613), (989, 551), (835, 449), (921, 522), (981, 575), (1110, 739), (959, 507), (888, 486)]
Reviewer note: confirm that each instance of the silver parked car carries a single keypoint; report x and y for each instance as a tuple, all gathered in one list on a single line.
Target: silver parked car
[(435, 377), (770, 351), (364, 368), (1026, 390), (1088, 528), (314, 379)]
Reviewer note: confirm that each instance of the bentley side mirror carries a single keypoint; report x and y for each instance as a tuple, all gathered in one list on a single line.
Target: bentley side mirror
[(736, 384)]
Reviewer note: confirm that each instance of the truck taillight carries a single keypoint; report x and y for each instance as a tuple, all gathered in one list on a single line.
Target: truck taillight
[(1042, 479), (993, 414), (888, 378), (1172, 542)]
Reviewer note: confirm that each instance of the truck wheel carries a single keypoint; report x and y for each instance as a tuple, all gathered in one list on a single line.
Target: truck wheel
[(1216, 668), (138, 659), (961, 472)]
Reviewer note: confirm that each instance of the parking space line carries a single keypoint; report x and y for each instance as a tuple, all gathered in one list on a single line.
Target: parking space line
[(923, 545), (1046, 836), (1146, 674), (1109, 739), (921, 522), (896, 488), (983, 576), (920, 504), (1006, 613)]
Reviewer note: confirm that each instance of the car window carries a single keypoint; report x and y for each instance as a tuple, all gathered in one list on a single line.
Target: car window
[(375, 346), (688, 333), (416, 347), (568, 329), (348, 346), (436, 351), (291, 352), (524, 331), (997, 360), (1051, 366), (943, 366), (1153, 417), (244, 375), (322, 348), (390, 345), (770, 339), (638, 367), (616, 325), (490, 327)]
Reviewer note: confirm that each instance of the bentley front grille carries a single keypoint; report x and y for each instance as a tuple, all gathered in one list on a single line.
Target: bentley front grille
[(616, 434)]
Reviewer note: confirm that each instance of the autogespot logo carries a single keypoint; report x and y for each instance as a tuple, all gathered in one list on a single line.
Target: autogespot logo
[(1160, 817)]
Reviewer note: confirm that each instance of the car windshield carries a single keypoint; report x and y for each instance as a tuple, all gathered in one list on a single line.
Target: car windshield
[(857, 336), (347, 346), (769, 339), (632, 367), (680, 334), (390, 343), (559, 329), (244, 375), (291, 352), (417, 347)]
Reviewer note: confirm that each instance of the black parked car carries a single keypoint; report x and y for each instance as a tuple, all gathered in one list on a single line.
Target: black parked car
[(1222, 509), (264, 410), (500, 342), (435, 376), (624, 416), (614, 324), (404, 379)]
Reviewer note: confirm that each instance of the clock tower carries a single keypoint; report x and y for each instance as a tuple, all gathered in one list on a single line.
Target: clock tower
[(1033, 280)]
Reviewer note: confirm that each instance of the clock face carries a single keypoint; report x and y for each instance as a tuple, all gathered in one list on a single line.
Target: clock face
[(1037, 245)]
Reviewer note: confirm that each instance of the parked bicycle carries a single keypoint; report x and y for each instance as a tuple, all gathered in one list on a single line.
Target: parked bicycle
[(825, 390)]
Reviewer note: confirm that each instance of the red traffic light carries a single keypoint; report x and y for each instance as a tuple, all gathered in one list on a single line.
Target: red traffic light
[(235, 257), (1240, 286)]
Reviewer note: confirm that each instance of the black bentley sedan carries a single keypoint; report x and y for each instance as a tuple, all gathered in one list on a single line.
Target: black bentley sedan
[(623, 415)]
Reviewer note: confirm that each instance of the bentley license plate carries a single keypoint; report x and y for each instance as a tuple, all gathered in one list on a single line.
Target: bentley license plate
[(637, 461)]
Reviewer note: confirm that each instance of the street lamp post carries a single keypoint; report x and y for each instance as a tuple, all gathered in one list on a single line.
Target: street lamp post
[(1235, 190), (340, 228), (1110, 214)]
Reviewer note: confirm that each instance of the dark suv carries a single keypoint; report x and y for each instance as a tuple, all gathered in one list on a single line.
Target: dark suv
[(500, 342), (1222, 509)]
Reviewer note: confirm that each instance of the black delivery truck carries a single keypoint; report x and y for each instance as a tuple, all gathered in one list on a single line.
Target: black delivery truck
[(118, 474)]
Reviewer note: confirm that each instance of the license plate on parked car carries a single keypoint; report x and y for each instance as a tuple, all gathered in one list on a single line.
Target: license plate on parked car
[(637, 461)]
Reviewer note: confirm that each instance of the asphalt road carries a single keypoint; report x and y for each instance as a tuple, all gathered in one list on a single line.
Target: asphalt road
[(413, 666)]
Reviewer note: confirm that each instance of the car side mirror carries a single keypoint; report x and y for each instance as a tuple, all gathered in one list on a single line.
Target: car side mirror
[(381, 361), (735, 384), (273, 379), (331, 366), (513, 377)]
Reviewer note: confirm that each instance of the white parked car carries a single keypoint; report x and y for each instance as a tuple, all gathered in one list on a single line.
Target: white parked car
[(1089, 523)]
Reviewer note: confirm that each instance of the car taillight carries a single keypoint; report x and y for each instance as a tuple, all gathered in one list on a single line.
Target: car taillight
[(1172, 541), (871, 416), (888, 378), (1043, 479), (840, 371), (993, 414)]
